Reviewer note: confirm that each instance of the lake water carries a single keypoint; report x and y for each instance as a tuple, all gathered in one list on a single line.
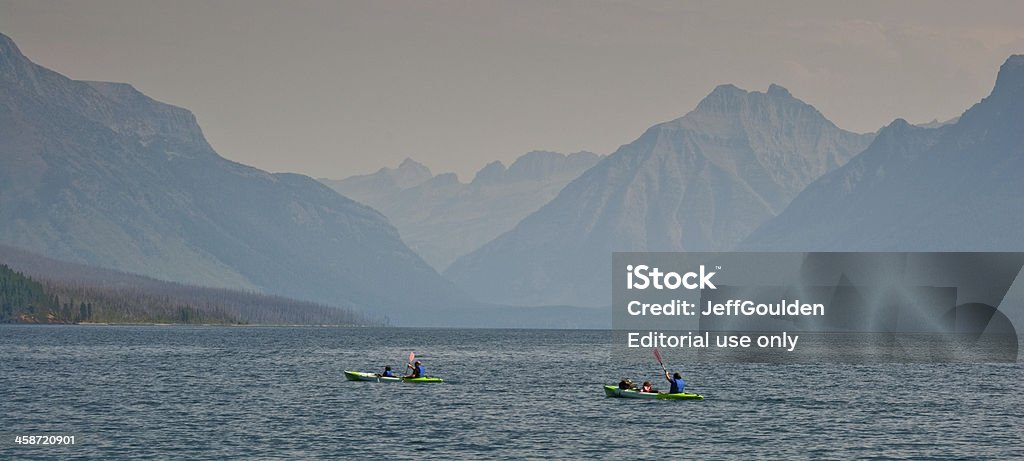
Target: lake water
[(260, 392)]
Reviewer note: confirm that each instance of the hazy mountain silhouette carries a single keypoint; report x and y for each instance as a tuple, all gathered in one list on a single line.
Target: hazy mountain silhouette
[(441, 218), (957, 187), (98, 173), (700, 182), (383, 186)]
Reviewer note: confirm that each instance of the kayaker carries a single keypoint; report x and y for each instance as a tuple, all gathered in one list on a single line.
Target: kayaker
[(417, 370), (646, 387), (387, 372), (677, 383), (626, 384)]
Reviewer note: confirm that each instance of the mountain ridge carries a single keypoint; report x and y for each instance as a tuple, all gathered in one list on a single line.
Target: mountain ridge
[(700, 182), (98, 173), (954, 187), (442, 217)]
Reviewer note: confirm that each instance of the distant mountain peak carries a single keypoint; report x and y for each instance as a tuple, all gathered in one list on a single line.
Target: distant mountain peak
[(1011, 76), (896, 131), (728, 88), (778, 90), (898, 124), (409, 173), (753, 115), (724, 98), (8, 46), (538, 165), (409, 163), (728, 99), (936, 123), (12, 62)]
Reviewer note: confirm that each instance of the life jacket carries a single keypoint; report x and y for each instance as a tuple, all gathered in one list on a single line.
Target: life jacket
[(678, 385), (420, 372), (388, 374)]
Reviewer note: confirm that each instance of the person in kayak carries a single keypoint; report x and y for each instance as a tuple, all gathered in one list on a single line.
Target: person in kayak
[(417, 370), (626, 384), (646, 387), (387, 372), (677, 383)]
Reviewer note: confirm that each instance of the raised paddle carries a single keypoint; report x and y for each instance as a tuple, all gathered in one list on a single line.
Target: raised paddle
[(408, 366), (658, 356)]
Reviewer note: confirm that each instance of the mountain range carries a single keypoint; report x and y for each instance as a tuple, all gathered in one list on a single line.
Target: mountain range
[(954, 187), (702, 182), (442, 218), (100, 174)]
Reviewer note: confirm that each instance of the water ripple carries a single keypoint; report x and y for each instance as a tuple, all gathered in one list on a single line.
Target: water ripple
[(257, 393)]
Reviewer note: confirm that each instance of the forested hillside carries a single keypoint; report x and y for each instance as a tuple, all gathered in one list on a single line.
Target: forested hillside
[(24, 299)]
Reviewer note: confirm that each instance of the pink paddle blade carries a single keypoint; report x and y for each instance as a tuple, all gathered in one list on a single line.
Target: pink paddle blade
[(412, 357), (656, 354)]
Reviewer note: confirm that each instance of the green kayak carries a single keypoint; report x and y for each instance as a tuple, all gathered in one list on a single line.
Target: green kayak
[(360, 376), (614, 391)]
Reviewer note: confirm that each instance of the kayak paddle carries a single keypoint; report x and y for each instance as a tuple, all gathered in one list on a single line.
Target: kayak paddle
[(412, 356), (658, 356)]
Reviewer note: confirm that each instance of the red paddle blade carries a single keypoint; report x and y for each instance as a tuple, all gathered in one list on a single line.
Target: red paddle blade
[(412, 357), (657, 355)]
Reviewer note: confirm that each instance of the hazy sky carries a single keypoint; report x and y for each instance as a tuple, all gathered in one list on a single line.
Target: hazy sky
[(332, 88)]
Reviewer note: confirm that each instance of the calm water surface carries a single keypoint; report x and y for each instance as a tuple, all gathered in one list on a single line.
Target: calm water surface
[(248, 392)]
